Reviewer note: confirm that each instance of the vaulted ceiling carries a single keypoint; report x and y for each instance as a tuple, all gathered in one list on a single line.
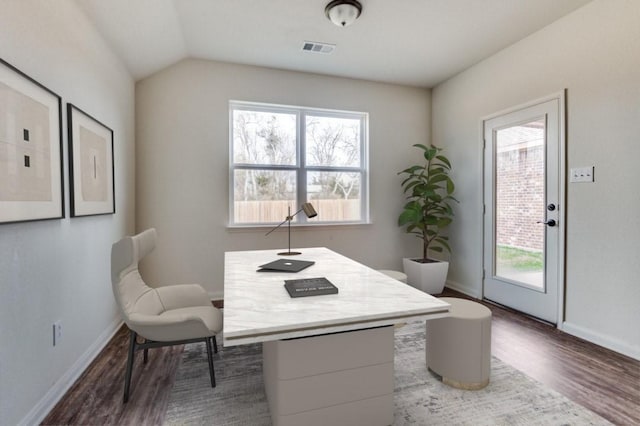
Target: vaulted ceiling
[(412, 42)]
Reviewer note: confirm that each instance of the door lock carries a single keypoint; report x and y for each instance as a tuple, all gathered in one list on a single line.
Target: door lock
[(551, 207)]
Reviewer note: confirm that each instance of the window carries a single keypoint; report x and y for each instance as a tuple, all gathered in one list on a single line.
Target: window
[(282, 156)]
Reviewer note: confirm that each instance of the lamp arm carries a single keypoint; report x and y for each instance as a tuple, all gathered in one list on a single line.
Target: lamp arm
[(288, 219), (277, 226)]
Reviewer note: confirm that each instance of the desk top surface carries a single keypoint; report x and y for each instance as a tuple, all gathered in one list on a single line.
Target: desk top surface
[(257, 307)]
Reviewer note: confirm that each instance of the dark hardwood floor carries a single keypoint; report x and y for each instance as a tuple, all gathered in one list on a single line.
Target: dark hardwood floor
[(602, 380), (599, 379)]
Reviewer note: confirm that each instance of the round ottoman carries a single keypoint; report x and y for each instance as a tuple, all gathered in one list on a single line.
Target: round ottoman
[(458, 347), (397, 275)]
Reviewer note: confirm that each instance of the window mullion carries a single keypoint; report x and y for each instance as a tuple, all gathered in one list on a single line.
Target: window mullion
[(263, 167), (302, 158), (334, 169)]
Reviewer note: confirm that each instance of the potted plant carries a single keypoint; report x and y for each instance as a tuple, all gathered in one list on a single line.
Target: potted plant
[(427, 213)]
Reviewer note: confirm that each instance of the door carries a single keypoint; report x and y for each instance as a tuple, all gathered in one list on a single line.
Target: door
[(523, 204)]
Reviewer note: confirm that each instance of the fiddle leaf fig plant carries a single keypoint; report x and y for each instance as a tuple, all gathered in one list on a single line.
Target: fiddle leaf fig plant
[(429, 192)]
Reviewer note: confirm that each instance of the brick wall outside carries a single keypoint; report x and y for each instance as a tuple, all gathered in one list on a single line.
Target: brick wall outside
[(520, 198)]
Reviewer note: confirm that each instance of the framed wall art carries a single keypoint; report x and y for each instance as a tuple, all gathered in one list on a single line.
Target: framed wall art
[(31, 181), (90, 165)]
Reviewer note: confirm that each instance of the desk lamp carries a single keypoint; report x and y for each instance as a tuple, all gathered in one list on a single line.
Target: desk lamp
[(308, 210)]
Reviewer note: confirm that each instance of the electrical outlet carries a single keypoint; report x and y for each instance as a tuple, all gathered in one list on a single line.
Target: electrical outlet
[(581, 174), (57, 333)]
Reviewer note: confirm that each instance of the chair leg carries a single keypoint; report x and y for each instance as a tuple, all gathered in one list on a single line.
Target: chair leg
[(130, 358), (145, 357), (212, 373), (215, 344)]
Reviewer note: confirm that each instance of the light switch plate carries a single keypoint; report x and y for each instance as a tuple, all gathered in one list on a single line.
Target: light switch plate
[(581, 174)]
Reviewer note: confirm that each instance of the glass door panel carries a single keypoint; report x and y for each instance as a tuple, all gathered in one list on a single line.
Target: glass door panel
[(520, 203)]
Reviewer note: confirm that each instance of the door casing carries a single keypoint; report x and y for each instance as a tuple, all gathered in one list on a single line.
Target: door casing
[(562, 214)]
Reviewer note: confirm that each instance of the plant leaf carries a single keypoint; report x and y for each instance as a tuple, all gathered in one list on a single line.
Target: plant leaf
[(438, 178), (445, 160), (430, 153), (430, 220), (411, 185), (443, 222), (413, 205), (412, 169), (443, 243), (450, 186), (410, 216)]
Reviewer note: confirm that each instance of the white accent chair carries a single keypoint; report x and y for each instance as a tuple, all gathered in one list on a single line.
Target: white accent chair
[(162, 316)]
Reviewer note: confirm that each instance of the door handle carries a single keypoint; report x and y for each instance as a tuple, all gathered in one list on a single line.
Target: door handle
[(549, 222)]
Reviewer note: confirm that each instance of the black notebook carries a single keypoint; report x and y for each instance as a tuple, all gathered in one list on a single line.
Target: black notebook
[(309, 287), (285, 265)]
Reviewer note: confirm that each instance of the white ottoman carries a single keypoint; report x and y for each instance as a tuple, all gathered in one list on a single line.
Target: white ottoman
[(458, 347), (396, 275)]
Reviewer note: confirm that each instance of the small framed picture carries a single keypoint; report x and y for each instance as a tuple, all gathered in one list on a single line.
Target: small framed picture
[(90, 165), (31, 179)]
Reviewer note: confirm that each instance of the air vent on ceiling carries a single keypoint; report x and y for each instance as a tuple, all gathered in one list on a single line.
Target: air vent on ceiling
[(316, 47)]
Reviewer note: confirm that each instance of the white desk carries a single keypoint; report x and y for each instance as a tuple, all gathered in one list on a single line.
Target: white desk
[(341, 372)]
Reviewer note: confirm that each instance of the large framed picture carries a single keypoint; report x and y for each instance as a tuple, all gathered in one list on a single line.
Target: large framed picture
[(90, 165), (31, 181)]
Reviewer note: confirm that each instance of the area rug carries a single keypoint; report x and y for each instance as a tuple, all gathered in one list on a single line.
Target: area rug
[(511, 398)]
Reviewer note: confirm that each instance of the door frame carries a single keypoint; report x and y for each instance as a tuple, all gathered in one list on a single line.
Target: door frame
[(562, 185)]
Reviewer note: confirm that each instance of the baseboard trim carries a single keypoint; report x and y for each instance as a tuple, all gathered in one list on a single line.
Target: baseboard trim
[(64, 383), (569, 328), (464, 290), (601, 340)]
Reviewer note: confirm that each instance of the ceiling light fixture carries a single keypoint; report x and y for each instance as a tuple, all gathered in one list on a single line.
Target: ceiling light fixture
[(343, 12)]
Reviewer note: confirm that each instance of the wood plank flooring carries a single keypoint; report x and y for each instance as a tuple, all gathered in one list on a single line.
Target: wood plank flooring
[(601, 380), (96, 397), (604, 381)]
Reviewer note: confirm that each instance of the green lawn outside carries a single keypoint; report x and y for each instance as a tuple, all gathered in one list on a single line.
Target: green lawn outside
[(519, 259)]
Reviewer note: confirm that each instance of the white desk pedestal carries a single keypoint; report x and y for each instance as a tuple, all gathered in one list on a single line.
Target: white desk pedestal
[(334, 379)]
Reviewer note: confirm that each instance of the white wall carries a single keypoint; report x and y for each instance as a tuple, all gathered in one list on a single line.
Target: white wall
[(59, 269), (182, 150), (595, 54)]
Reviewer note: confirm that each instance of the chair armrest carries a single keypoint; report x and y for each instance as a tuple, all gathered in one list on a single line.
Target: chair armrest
[(183, 296)]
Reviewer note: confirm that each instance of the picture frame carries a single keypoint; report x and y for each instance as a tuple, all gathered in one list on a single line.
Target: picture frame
[(31, 168), (91, 165)]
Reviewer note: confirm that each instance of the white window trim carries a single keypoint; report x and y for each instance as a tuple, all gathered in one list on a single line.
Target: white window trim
[(301, 168)]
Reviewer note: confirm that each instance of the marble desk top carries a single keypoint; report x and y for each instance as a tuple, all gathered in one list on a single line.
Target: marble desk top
[(257, 307)]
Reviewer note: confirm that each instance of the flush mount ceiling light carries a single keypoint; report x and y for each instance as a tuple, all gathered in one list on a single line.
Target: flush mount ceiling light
[(343, 12)]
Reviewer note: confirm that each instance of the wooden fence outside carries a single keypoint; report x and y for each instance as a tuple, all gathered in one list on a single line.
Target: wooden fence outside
[(276, 211)]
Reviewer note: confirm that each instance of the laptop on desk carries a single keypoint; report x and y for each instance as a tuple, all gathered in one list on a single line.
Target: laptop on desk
[(285, 265)]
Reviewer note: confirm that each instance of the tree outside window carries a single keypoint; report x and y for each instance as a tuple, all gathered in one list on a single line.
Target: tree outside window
[(285, 156)]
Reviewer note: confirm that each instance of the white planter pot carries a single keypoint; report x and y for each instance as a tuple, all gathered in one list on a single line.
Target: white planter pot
[(428, 277)]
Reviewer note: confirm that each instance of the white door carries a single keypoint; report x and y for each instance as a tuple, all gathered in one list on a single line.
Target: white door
[(524, 211)]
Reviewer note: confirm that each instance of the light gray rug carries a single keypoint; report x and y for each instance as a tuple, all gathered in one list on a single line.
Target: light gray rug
[(511, 398)]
